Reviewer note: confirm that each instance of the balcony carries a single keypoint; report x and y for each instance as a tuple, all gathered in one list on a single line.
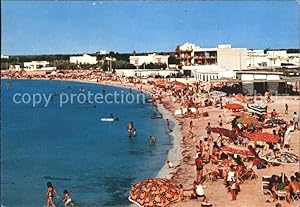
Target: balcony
[(205, 57), (186, 57)]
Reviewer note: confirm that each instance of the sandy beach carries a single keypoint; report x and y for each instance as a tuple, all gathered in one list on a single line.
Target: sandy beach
[(183, 152)]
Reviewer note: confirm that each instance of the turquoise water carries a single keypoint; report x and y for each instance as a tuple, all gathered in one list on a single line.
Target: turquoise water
[(70, 147)]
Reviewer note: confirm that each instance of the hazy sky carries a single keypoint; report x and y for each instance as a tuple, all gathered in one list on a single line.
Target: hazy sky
[(38, 27)]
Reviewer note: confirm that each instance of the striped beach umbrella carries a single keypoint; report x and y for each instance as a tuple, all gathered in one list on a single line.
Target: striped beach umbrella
[(154, 192), (247, 120)]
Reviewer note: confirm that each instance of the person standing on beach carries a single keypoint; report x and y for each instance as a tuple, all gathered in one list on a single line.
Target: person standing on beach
[(220, 121), (168, 125), (296, 121), (199, 168), (286, 109), (50, 194), (190, 130)]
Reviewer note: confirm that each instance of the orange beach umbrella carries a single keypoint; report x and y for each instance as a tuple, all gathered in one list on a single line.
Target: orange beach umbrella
[(234, 106), (247, 120), (262, 137)]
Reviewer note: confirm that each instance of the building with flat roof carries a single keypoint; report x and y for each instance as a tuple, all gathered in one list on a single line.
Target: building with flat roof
[(193, 58), (4, 56), (84, 59), (223, 56), (38, 65), (272, 59), (147, 59)]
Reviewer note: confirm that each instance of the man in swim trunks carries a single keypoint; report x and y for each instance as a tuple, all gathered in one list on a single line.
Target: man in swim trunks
[(199, 167)]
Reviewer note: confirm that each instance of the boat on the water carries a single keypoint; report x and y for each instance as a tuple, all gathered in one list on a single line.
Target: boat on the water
[(109, 119)]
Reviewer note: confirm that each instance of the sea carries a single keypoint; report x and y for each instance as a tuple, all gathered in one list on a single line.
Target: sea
[(68, 144)]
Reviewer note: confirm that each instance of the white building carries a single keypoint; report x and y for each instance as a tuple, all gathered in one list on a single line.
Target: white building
[(224, 56), (272, 59), (102, 52), (147, 59), (146, 72), (38, 65), (4, 56), (15, 67), (84, 59), (210, 63)]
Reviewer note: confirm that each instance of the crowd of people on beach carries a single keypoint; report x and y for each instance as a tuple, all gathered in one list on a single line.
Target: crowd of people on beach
[(211, 161)]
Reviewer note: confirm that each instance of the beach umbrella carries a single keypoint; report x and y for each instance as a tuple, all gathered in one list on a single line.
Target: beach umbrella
[(218, 93), (178, 84), (240, 97), (224, 132), (234, 149), (234, 106), (154, 192), (159, 82), (247, 120), (262, 136)]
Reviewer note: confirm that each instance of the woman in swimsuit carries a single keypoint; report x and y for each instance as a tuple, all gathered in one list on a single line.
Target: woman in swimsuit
[(49, 195), (130, 129)]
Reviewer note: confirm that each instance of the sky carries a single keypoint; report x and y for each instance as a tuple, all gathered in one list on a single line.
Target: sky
[(65, 27)]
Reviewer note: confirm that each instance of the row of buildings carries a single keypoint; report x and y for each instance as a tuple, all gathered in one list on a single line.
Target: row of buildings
[(191, 58)]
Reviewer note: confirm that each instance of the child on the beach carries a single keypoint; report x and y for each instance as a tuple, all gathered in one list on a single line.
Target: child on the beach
[(220, 121), (67, 199)]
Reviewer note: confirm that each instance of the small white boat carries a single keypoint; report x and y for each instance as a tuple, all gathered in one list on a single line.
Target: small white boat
[(109, 119)]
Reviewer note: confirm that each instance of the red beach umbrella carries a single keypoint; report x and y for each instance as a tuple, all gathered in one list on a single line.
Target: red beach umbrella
[(159, 82), (262, 136), (234, 106), (178, 84), (224, 132), (234, 149)]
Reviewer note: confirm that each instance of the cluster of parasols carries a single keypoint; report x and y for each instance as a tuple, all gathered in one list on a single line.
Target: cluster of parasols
[(154, 192)]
